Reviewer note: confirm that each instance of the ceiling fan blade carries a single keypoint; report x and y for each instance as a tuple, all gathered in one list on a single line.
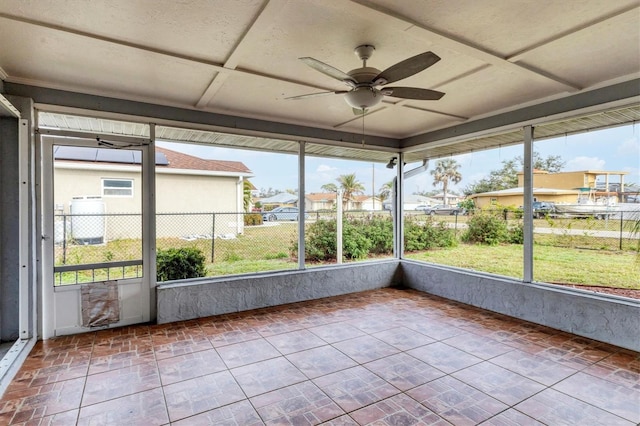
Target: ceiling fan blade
[(407, 68), (412, 93), (315, 95), (327, 69)]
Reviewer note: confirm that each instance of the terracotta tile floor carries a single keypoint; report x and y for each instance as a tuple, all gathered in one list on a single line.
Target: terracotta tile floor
[(384, 357)]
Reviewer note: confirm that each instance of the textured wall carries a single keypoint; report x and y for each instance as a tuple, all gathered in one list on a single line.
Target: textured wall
[(218, 296), (600, 317)]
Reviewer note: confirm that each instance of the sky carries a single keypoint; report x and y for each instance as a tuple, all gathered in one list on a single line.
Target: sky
[(613, 149)]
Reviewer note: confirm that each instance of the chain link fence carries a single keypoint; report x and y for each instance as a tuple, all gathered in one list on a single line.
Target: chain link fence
[(97, 247), (612, 230)]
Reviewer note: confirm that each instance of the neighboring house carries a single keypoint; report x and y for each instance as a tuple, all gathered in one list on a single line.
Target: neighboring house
[(327, 201), (366, 202), (320, 201), (599, 180), (413, 201), (562, 187), (514, 197), (452, 199), (109, 181), (283, 199)]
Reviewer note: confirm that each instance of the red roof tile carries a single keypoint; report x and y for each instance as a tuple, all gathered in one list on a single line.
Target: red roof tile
[(178, 160)]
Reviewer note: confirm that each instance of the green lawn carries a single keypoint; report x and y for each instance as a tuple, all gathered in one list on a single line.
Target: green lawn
[(267, 248), (551, 264)]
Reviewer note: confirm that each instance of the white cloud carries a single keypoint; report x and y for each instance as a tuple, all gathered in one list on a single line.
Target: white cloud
[(629, 148), (323, 168), (585, 163)]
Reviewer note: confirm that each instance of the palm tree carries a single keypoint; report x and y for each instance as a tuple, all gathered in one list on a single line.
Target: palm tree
[(349, 186), (446, 171), (329, 187), (385, 191), (247, 187)]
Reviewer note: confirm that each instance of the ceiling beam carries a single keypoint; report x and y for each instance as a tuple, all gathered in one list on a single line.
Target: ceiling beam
[(220, 122), (418, 30), (625, 91), (518, 56), (262, 22)]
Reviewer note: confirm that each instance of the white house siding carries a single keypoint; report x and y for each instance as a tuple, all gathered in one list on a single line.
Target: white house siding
[(198, 194), (175, 193)]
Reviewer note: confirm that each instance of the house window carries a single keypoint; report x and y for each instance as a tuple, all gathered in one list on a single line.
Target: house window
[(117, 187)]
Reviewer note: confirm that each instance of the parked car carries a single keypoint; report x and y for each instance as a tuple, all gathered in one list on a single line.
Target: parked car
[(542, 209), (444, 210), (422, 207), (282, 213)]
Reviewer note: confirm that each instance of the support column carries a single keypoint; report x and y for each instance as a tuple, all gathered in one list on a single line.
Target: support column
[(398, 209), (149, 219), (302, 208), (9, 228), (527, 205)]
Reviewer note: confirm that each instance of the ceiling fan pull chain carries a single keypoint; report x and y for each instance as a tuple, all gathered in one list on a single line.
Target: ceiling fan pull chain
[(363, 127)]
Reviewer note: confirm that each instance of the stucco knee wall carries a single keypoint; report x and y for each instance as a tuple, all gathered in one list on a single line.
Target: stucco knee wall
[(206, 297), (602, 317)]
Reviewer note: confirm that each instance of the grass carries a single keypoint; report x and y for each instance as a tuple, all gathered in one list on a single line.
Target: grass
[(551, 264), (266, 248)]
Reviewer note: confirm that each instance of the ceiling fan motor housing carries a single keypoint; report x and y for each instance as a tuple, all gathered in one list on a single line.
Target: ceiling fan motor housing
[(364, 95)]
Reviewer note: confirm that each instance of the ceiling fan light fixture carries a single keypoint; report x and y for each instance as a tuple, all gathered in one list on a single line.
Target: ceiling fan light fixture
[(363, 97)]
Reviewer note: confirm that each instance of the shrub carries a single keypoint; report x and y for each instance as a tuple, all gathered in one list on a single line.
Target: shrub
[(355, 244), (427, 235), (379, 232), (360, 237), (486, 228), (516, 234), (180, 263), (320, 242), (468, 205), (371, 236), (253, 219)]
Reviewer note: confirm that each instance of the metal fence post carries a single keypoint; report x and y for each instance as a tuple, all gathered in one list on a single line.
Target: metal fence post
[(455, 227), (621, 227), (213, 235), (64, 239)]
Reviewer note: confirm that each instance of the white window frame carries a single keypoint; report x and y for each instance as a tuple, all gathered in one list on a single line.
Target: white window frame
[(104, 187)]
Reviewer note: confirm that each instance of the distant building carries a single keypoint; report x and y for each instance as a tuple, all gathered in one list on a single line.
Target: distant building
[(283, 199), (452, 199), (327, 201), (184, 184), (562, 187)]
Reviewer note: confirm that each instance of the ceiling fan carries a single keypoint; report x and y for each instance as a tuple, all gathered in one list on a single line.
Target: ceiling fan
[(364, 82)]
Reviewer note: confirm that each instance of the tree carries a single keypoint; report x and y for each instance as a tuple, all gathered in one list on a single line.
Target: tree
[(446, 171), (329, 187), (247, 187), (385, 191), (266, 193), (349, 186), (507, 176)]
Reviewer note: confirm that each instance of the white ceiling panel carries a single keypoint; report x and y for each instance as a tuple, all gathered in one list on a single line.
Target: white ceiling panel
[(505, 27), (613, 48), (57, 59), (471, 97), (206, 29)]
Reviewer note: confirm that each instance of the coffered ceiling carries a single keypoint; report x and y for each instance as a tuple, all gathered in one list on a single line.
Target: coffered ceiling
[(239, 58)]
